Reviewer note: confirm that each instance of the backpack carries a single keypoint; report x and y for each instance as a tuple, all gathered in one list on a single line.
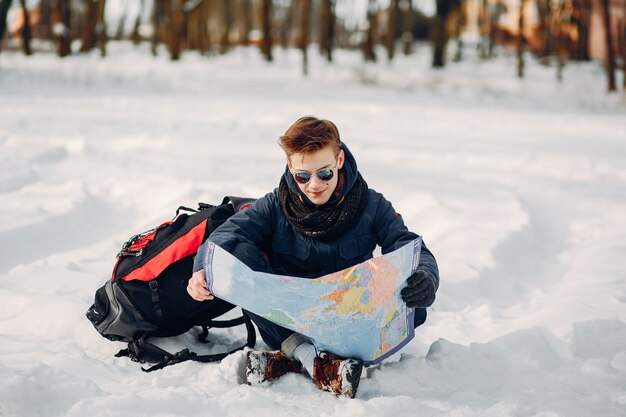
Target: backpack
[(147, 296)]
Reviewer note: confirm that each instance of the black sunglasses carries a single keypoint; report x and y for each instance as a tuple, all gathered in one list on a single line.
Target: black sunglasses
[(324, 174)]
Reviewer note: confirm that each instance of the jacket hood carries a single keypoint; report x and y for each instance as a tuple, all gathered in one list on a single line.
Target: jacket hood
[(349, 172)]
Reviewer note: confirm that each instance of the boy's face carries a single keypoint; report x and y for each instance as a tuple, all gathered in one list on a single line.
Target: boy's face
[(317, 190)]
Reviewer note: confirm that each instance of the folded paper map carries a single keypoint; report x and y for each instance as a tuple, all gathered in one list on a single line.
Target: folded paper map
[(355, 313)]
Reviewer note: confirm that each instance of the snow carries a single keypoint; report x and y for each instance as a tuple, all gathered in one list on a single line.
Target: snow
[(518, 187)]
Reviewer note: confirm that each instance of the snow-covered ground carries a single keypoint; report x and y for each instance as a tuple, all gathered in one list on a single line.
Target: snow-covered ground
[(518, 187)]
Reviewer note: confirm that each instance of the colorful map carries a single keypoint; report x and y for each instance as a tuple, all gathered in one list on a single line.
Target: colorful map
[(356, 313)]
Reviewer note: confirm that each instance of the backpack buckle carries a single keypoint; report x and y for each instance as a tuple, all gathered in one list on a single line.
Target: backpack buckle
[(125, 252)]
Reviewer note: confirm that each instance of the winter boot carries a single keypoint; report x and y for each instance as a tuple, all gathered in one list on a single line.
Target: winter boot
[(339, 376), (268, 366)]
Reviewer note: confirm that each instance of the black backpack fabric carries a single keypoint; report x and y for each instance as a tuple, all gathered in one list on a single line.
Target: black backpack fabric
[(147, 296)]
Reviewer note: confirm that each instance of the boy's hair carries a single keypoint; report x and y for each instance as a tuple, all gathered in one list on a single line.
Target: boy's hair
[(310, 134)]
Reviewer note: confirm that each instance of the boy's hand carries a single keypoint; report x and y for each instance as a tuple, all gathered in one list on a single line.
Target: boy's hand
[(420, 290), (197, 287)]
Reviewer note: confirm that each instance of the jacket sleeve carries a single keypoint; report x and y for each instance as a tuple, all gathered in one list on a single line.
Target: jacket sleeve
[(243, 232), (392, 233)]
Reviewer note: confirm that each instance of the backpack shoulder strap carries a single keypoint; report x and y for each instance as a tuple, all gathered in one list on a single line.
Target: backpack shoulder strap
[(238, 203), (142, 345)]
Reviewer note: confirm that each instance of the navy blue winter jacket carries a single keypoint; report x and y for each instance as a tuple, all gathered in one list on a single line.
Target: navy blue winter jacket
[(264, 229)]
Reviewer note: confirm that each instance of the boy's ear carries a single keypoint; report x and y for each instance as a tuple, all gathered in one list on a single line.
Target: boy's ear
[(341, 159)]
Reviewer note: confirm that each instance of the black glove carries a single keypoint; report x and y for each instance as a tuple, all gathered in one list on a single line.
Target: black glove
[(420, 290)]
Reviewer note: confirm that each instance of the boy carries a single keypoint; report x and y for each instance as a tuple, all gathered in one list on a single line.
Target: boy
[(321, 219)]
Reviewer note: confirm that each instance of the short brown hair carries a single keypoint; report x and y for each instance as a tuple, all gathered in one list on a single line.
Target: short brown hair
[(310, 134)]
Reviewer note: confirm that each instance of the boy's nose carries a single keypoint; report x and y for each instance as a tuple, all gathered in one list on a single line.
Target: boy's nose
[(315, 182)]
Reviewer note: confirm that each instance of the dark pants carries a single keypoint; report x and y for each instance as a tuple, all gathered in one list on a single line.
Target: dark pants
[(272, 334)]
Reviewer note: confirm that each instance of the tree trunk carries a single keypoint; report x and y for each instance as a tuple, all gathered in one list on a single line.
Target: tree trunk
[(498, 9), (368, 44), (100, 29), (286, 24), (483, 27), (159, 20), (266, 27), (560, 41), (176, 19), (203, 28), (27, 32), (136, 36), (624, 49), (121, 24), (610, 55), (247, 22), (61, 27), (544, 18), (439, 43), (327, 29), (5, 5), (94, 27), (392, 21), (90, 18), (407, 27), (226, 20), (45, 16), (168, 35), (621, 36), (304, 33), (520, 41), (582, 18), (458, 31), (440, 37)]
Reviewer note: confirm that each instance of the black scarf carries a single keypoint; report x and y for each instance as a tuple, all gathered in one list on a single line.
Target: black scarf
[(326, 222)]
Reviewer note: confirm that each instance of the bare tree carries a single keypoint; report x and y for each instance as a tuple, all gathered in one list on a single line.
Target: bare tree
[(226, 18), (521, 41), (440, 37), (266, 27), (327, 30), (489, 15), (563, 48), (94, 27), (203, 28), (159, 21), (175, 28), (610, 54), (370, 35), (304, 33), (621, 36), (407, 27), (624, 51), (88, 38), (460, 19), (483, 27), (61, 27), (246, 22), (287, 18), (582, 19), (135, 35), (121, 23), (100, 29), (169, 26), (204, 38), (544, 13), (45, 19), (27, 32), (196, 14), (5, 5), (392, 22)]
